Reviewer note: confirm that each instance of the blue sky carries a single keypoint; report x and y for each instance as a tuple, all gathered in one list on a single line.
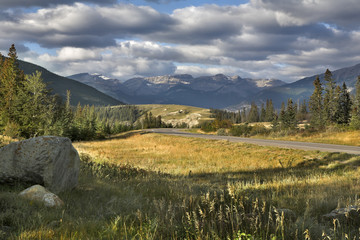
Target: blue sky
[(279, 39), (170, 6)]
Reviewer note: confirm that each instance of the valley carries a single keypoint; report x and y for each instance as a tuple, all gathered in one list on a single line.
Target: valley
[(179, 120)]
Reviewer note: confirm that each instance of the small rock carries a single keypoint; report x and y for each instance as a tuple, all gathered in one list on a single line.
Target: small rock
[(54, 224), (40, 194), (289, 215), (348, 215)]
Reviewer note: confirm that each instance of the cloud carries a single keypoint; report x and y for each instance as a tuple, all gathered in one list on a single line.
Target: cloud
[(285, 39), (46, 3), (198, 71), (80, 25), (344, 14)]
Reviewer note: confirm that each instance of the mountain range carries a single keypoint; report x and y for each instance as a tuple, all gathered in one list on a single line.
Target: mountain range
[(217, 91), (303, 88)]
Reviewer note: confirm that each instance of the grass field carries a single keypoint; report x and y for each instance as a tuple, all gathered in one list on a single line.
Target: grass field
[(343, 138), (177, 114), (150, 186)]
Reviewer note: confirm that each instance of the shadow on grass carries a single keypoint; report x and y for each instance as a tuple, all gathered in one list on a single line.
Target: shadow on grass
[(107, 191)]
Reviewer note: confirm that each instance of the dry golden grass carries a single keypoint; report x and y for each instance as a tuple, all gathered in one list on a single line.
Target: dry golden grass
[(173, 111), (4, 140), (232, 190), (343, 138), (178, 155)]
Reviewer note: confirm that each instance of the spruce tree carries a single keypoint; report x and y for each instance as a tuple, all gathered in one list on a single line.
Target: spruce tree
[(316, 106), (289, 118), (355, 116), (11, 84), (302, 113), (262, 113), (269, 116), (282, 112), (330, 101), (344, 106), (243, 115), (254, 113), (35, 104)]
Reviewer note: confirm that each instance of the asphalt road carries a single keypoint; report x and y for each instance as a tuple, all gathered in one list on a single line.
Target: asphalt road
[(265, 142)]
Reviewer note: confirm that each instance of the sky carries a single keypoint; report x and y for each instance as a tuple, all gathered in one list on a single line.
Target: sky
[(281, 39)]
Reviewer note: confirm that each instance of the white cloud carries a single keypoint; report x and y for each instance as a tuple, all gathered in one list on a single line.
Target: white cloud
[(263, 38)]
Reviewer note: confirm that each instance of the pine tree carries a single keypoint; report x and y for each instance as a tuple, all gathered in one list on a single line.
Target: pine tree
[(355, 116), (269, 116), (289, 118), (316, 106), (344, 106), (262, 113), (11, 84), (243, 115), (254, 113), (282, 112), (34, 102), (302, 113), (330, 101)]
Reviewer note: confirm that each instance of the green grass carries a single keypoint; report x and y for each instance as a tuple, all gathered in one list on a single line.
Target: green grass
[(139, 186)]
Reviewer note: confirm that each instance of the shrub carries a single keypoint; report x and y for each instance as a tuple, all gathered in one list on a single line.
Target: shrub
[(259, 129), (241, 130), (207, 127), (222, 132)]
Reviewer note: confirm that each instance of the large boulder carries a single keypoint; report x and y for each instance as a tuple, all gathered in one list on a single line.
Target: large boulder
[(49, 161)]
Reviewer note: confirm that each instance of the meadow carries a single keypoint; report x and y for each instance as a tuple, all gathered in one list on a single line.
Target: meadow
[(149, 186), (330, 136)]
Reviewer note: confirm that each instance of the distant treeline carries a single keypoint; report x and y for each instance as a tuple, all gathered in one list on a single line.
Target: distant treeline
[(329, 105), (28, 109)]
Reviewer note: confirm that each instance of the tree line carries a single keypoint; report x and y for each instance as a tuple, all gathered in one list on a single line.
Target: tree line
[(29, 109), (329, 105)]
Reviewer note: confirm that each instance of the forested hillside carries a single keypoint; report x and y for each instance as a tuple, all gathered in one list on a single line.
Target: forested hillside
[(80, 93)]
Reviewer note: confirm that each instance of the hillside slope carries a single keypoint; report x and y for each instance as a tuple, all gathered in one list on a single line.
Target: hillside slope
[(80, 93)]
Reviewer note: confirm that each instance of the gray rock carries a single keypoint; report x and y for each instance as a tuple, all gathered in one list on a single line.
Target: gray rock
[(348, 215), (287, 214), (49, 161), (40, 194)]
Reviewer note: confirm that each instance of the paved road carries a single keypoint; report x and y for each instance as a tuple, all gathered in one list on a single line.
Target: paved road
[(265, 142)]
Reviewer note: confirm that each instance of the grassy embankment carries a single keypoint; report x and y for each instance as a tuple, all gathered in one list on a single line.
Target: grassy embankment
[(177, 114), (148, 186), (331, 137)]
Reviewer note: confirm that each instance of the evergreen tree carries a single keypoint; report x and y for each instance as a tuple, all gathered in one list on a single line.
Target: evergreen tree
[(344, 106), (357, 98), (289, 118), (302, 113), (262, 113), (355, 116), (254, 113), (269, 115), (282, 112), (35, 104), (316, 106), (243, 115), (275, 123), (330, 101)]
